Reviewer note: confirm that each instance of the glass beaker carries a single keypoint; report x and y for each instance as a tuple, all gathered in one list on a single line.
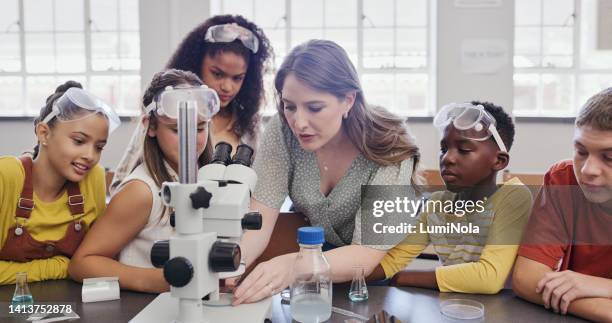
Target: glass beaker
[(359, 289), (22, 295)]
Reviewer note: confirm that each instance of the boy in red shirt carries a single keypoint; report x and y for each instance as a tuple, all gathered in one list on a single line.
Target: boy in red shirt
[(565, 260)]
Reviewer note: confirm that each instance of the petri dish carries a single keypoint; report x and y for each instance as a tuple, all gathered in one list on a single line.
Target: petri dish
[(463, 309), (225, 299)]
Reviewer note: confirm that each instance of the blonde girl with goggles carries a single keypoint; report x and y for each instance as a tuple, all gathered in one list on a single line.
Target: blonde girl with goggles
[(136, 216)]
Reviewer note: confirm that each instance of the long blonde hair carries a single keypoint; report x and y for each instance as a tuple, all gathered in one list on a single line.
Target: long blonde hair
[(380, 135)]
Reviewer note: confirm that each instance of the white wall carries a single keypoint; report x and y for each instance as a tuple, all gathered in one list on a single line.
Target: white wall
[(455, 26), (163, 24), (537, 145)]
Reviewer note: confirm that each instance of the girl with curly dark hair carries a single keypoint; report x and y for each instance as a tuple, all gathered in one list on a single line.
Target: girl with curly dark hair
[(230, 54), (232, 69)]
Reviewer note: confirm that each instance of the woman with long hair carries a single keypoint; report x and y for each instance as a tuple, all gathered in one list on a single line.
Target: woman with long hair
[(324, 144)]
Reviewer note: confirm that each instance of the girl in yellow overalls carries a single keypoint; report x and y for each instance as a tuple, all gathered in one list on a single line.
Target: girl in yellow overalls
[(50, 199)]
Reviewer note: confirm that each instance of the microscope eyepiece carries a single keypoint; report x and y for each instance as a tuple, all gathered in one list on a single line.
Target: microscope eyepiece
[(243, 156), (222, 154)]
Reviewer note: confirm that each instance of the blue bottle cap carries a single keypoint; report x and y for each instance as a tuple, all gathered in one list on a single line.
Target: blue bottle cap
[(311, 235)]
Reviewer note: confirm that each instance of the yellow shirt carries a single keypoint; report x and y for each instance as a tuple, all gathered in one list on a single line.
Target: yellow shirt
[(48, 220), (472, 263)]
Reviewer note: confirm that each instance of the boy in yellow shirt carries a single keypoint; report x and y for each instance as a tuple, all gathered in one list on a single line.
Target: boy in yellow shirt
[(472, 152)]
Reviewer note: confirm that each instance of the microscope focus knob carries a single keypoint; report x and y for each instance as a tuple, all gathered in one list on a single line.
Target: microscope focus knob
[(200, 198), (224, 257), (252, 221), (160, 252), (178, 271)]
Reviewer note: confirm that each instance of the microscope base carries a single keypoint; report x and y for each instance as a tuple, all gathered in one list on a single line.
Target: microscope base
[(164, 308)]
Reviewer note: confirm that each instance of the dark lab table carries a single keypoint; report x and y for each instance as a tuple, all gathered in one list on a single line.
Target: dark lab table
[(408, 304)]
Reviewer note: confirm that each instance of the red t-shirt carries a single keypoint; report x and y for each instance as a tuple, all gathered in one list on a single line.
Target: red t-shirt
[(567, 231)]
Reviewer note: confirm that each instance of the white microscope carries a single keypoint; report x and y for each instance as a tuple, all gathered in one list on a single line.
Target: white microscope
[(211, 210)]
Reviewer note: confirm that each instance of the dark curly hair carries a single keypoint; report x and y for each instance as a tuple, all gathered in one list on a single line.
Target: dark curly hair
[(504, 122), (48, 107), (192, 50)]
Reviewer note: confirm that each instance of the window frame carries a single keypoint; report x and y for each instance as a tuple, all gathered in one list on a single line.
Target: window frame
[(426, 70), (576, 70), (87, 74)]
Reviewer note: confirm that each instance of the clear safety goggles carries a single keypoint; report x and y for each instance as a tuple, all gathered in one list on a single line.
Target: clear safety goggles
[(472, 121), (76, 104), (227, 33), (166, 103)]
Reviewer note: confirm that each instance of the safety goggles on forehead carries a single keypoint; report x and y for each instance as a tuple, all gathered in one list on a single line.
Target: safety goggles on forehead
[(76, 104), (166, 103), (227, 33), (472, 121)]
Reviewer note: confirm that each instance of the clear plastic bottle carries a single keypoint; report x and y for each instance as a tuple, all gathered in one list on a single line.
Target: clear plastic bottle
[(311, 289)]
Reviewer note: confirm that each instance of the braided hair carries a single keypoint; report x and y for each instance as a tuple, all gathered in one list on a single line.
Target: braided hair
[(48, 107)]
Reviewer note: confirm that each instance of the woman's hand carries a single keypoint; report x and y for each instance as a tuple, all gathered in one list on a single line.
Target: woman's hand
[(267, 279)]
